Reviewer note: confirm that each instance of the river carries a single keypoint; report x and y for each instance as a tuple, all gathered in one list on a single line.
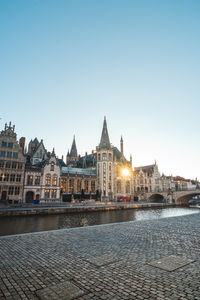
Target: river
[(25, 224)]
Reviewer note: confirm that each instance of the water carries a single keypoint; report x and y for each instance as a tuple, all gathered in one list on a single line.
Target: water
[(24, 224)]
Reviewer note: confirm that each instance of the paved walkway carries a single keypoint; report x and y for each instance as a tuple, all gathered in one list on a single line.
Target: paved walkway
[(157, 259)]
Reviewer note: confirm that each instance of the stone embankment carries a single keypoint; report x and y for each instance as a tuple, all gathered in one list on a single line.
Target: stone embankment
[(150, 259), (79, 207)]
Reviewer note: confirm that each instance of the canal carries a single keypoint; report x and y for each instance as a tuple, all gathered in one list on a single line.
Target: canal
[(25, 224)]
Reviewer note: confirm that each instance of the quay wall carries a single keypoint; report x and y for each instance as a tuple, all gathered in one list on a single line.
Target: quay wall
[(76, 209)]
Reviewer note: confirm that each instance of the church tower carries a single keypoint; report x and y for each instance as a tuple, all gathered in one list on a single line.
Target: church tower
[(105, 165), (72, 156)]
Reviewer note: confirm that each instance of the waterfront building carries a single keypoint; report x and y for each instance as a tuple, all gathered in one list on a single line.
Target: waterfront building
[(12, 165), (105, 171), (42, 179)]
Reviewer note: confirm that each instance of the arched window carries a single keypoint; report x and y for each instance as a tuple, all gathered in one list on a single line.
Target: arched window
[(93, 186), (118, 187), (110, 156), (104, 156), (86, 186), (71, 185), (99, 156), (78, 186), (127, 187), (48, 179), (54, 180)]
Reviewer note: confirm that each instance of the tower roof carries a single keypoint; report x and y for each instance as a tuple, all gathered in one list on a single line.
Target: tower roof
[(105, 141), (73, 152)]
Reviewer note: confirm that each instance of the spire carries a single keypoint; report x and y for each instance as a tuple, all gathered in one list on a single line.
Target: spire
[(105, 141), (73, 152), (122, 146), (53, 152)]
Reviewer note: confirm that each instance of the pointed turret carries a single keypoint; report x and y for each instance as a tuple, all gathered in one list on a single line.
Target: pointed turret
[(73, 152), (122, 147), (105, 141)]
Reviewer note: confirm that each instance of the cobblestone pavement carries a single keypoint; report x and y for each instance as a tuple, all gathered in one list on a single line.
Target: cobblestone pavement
[(157, 259)]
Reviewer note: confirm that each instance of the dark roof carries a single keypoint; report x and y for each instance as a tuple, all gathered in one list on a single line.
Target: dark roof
[(61, 162), (105, 141), (73, 152), (87, 161), (146, 169)]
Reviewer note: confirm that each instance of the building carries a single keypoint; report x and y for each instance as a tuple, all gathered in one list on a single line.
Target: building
[(12, 165), (42, 179), (105, 173)]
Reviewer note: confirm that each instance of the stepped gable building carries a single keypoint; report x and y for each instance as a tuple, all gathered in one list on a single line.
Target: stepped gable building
[(12, 165), (146, 179)]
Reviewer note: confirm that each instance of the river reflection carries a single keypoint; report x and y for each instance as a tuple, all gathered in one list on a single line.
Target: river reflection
[(24, 224)]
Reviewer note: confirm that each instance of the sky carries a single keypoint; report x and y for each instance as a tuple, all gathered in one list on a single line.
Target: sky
[(64, 65)]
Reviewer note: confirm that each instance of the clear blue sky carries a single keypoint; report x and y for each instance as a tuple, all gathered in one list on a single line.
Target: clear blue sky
[(66, 64)]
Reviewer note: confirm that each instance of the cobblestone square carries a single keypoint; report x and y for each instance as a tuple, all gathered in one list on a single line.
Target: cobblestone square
[(104, 262)]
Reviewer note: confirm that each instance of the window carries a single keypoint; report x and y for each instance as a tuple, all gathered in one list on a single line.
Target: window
[(17, 190), (63, 184), (6, 177), (15, 154), (48, 179), (53, 194), (110, 167), (12, 177), (71, 185), (78, 186), (118, 187), (86, 186), (110, 156), (3, 153), (30, 180), (93, 186), (127, 187), (104, 156), (10, 145), (14, 165), (9, 154), (4, 144), (8, 165), (19, 166), (10, 190), (99, 156), (40, 154), (1, 177), (18, 178), (54, 180), (1, 163), (37, 180), (52, 166), (47, 194)]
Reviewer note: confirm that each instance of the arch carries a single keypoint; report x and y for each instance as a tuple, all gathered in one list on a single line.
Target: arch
[(29, 197), (158, 198), (184, 199)]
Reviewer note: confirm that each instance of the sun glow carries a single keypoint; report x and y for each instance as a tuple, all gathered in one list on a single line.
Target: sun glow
[(125, 172)]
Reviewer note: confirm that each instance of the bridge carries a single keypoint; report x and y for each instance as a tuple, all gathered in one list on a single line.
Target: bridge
[(178, 197)]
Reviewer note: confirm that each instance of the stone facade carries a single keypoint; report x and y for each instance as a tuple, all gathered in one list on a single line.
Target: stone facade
[(12, 165), (42, 180)]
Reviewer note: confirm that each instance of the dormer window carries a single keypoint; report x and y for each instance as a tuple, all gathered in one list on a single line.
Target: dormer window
[(52, 166)]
